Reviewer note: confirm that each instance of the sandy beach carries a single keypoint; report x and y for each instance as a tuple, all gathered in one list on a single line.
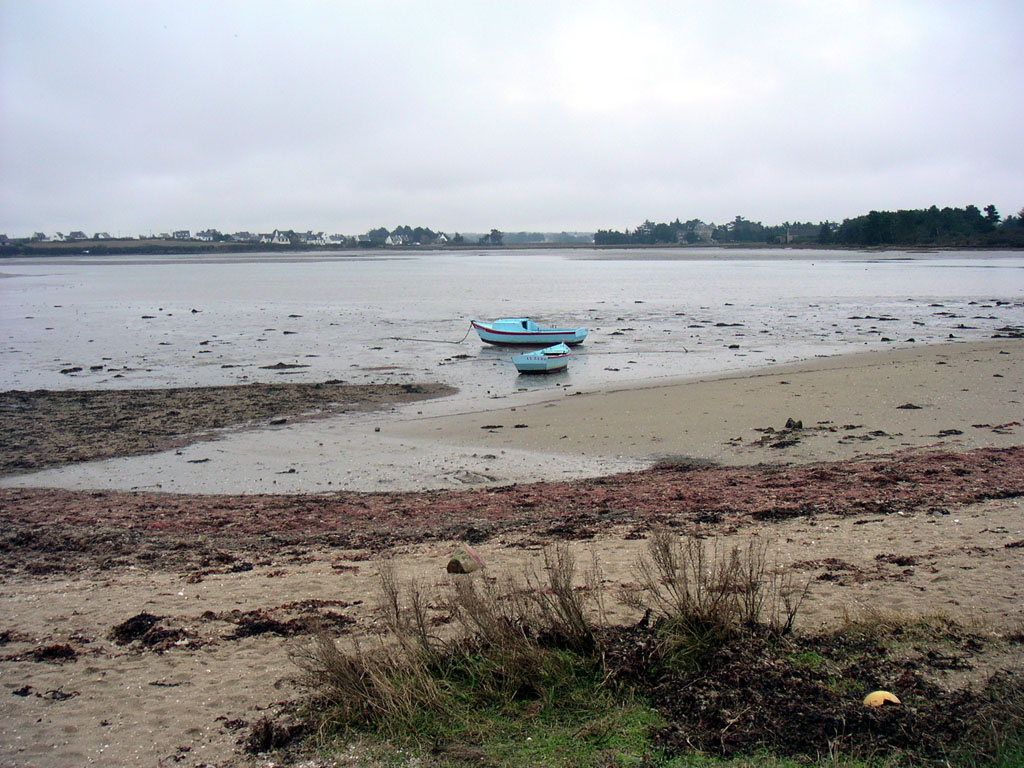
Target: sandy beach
[(897, 486), (955, 396)]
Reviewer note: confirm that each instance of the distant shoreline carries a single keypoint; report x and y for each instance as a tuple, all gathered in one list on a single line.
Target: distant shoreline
[(160, 247)]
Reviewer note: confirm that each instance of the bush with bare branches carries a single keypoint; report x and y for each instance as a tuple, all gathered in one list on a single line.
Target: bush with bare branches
[(701, 597)]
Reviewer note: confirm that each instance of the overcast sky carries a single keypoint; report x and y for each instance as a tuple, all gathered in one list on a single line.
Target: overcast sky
[(146, 116)]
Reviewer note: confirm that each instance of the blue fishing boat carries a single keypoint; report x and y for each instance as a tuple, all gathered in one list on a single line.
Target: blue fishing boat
[(553, 358), (523, 331)]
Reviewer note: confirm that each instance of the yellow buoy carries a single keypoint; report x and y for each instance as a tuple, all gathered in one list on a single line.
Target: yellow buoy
[(878, 698)]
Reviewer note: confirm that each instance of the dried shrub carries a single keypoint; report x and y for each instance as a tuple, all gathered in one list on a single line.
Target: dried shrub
[(701, 597), (502, 641)]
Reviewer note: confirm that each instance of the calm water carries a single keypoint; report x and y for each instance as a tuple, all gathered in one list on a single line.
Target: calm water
[(174, 321)]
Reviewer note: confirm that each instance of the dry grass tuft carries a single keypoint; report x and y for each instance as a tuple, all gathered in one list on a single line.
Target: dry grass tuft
[(701, 597), (500, 645)]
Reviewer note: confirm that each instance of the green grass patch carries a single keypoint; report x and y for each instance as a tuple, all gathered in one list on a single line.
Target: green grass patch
[(524, 672)]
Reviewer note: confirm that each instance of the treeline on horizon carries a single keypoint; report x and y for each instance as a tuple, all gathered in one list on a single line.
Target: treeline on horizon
[(945, 227), (966, 227)]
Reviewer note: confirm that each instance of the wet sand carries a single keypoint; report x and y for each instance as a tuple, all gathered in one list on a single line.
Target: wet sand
[(911, 509), (955, 395), (45, 429)]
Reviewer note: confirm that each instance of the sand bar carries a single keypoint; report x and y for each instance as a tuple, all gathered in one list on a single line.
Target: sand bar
[(963, 395)]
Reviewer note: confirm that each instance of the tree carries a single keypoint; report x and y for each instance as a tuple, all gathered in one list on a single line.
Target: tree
[(611, 237), (423, 235), (743, 231), (991, 214), (663, 233)]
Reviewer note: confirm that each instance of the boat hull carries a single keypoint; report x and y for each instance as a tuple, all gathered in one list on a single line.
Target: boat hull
[(554, 358), (492, 333)]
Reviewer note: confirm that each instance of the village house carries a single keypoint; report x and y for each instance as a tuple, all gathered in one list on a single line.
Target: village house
[(277, 237), (308, 238)]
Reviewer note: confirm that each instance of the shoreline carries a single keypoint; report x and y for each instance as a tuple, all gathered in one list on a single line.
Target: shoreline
[(955, 396), (702, 252), (26, 248)]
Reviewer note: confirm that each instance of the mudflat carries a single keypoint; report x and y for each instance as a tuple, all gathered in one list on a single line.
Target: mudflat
[(45, 428)]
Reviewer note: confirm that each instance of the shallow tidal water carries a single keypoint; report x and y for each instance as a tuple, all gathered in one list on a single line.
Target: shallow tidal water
[(101, 322)]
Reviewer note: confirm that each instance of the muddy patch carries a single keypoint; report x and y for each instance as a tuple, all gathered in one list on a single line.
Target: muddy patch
[(51, 428)]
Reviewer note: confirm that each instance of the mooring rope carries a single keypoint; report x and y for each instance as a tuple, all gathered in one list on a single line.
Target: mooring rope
[(434, 341)]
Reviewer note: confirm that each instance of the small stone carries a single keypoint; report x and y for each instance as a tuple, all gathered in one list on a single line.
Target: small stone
[(465, 560)]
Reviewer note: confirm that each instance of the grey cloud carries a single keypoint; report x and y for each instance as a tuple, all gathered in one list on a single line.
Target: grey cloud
[(458, 115)]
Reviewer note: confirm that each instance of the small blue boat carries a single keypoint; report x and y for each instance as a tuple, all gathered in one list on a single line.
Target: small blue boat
[(546, 360), (523, 331)]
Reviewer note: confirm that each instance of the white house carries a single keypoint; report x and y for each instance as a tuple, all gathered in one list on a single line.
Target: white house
[(277, 237), (309, 238)]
